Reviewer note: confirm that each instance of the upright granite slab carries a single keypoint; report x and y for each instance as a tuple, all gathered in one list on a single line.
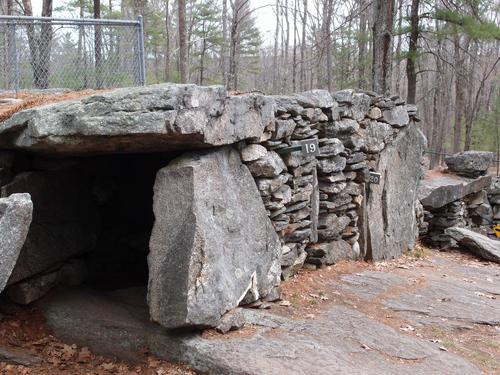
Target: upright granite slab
[(15, 219), (390, 226), (212, 243)]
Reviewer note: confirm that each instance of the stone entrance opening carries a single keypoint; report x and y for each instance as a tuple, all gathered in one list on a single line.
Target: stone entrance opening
[(122, 187), (92, 222)]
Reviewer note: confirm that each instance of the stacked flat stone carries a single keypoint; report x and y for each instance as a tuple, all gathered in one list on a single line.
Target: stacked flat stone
[(494, 199), (479, 211), (286, 179), (451, 215)]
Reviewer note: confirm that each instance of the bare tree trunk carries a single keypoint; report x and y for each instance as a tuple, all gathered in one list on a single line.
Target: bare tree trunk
[(275, 51), (459, 103), (294, 61), (411, 73), (286, 47), (223, 52), (98, 45), (397, 75), (328, 43), (302, 79), (362, 45), (202, 56), (436, 141), (167, 41), (382, 46), (183, 63)]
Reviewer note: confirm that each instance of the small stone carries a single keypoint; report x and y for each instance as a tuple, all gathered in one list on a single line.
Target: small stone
[(374, 113), (252, 152), (332, 165), (270, 165), (231, 321), (284, 128), (397, 116)]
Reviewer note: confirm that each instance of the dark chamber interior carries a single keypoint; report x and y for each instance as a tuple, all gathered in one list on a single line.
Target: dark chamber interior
[(122, 187), (96, 214)]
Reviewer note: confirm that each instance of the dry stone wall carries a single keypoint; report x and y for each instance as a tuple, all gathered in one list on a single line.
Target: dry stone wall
[(315, 201)]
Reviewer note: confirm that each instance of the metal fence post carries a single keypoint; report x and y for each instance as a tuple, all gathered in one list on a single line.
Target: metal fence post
[(142, 56), (13, 55)]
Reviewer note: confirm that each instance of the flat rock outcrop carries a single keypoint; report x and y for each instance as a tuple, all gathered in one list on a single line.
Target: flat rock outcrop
[(212, 244), (477, 243), (15, 219), (162, 117)]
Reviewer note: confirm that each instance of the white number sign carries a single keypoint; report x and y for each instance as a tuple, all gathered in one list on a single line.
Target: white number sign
[(310, 147)]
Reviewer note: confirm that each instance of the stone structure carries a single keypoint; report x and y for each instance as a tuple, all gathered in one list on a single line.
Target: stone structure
[(218, 237), (463, 197)]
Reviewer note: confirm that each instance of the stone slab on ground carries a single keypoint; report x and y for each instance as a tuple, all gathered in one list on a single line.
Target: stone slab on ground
[(163, 117), (437, 290), (212, 243), (477, 243), (438, 192), (342, 341), (384, 319)]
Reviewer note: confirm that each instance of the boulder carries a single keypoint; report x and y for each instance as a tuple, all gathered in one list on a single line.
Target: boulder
[(164, 117), (388, 221), (470, 163), (439, 191), (477, 243), (65, 220), (15, 219), (212, 244)]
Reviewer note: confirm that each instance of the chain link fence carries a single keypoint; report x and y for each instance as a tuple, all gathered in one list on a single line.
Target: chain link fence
[(77, 54)]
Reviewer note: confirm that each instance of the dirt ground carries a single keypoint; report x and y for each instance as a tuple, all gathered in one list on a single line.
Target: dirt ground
[(27, 347)]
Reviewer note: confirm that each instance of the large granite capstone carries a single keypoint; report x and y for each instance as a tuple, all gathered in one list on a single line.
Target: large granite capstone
[(15, 218), (162, 117), (212, 244), (438, 192)]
